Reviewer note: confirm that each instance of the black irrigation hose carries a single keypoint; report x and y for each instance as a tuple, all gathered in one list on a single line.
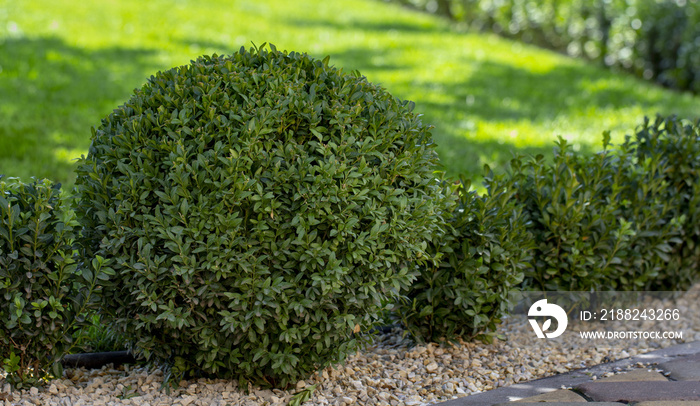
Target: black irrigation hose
[(95, 360)]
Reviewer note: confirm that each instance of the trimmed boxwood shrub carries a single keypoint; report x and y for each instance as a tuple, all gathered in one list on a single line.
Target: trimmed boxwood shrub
[(667, 150), (259, 209), (45, 296), (654, 221), (623, 219), (464, 293), (575, 220)]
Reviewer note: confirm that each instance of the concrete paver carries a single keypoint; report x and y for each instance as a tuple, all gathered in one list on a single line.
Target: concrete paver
[(683, 369), (561, 395), (640, 391), (521, 390), (635, 375), (566, 404), (641, 382)]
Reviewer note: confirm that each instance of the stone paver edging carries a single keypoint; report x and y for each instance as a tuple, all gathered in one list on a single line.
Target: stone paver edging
[(682, 361)]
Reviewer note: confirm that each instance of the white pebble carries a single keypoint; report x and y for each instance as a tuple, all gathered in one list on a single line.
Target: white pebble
[(392, 371)]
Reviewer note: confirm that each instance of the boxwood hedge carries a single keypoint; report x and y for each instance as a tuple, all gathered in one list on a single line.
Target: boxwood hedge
[(46, 295), (623, 219), (667, 152)]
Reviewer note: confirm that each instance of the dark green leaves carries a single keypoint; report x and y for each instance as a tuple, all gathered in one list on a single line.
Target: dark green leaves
[(256, 211), (616, 220), (481, 258), (39, 280), (623, 219), (668, 154)]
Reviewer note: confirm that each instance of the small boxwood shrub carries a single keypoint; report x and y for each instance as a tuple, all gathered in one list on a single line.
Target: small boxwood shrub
[(572, 203), (464, 293), (654, 221), (258, 209), (623, 219), (667, 150), (45, 296)]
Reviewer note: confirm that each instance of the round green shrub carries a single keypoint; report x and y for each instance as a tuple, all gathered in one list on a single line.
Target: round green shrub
[(259, 209), (482, 259), (44, 294)]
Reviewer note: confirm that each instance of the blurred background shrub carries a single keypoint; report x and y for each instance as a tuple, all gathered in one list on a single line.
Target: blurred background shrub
[(657, 40)]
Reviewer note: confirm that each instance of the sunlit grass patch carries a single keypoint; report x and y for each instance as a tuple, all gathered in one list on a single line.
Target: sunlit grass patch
[(65, 65)]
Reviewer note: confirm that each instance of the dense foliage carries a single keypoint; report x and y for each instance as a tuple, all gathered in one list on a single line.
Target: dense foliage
[(623, 219), (657, 40), (667, 151), (573, 204), (259, 209), (45, 296), (482, 258)]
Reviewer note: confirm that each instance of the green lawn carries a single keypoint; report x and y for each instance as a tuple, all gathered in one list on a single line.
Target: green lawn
[(66, 64)]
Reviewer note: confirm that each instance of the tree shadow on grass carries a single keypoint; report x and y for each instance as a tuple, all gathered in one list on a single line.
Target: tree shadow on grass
[(366, 60), (361, 59), (506, 95), (465, 158), (500, 91), (201, 46), (51, 94), (404, 27)]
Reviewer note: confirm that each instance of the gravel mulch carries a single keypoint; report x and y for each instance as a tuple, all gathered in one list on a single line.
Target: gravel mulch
[(394, 371)]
